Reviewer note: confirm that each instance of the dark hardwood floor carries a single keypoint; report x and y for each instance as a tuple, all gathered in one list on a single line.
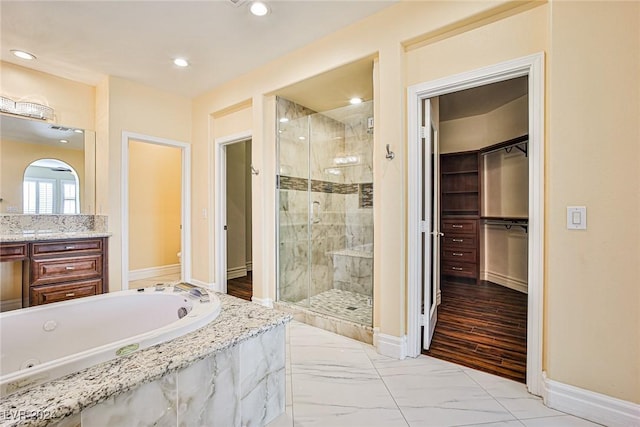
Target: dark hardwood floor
[(482, 326), (242, 287)]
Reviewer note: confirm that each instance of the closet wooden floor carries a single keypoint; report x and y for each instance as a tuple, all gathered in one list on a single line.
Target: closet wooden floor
[(242, 287), (482, 326)]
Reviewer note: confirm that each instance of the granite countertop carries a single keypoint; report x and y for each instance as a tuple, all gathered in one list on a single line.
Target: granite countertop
[(238, 321), (44, 235)]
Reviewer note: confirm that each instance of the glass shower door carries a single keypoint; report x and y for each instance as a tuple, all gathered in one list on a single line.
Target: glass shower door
[(325, 217)]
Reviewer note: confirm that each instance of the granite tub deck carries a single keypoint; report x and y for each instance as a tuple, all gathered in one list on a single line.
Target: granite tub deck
[(229, 373)]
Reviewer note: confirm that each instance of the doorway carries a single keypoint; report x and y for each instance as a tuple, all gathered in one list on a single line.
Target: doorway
[(238, 219), (155, 211), (424, 255)]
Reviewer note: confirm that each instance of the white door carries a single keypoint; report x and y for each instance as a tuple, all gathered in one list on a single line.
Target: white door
[(430, 217)]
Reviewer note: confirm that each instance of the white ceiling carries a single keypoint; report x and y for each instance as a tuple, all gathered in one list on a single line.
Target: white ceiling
[(137, 40)]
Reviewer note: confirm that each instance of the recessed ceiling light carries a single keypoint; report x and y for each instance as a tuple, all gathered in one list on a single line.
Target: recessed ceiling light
[(258, 8), (22, 54), (181, 62), (284, 120), (64, 141), (355, 101), (78, 130), (301, 138)]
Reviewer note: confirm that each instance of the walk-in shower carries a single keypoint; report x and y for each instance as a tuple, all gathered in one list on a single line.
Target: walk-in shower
[(325, 210)]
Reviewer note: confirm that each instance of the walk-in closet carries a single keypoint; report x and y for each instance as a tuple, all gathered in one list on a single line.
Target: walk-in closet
[(483, 199)]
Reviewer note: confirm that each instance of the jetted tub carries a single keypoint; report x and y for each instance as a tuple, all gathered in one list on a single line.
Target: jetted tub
[(39, 344)]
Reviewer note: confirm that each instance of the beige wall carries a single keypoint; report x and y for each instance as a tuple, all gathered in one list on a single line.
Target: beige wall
[(593, 159), (155, 179), (72, 102), (125, 106), (472, 133)]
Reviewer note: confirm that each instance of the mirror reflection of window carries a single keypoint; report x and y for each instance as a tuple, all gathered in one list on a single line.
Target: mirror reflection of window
[(50, 186)]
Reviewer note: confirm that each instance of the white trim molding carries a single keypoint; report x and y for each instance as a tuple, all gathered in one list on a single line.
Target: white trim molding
[(390, 345), (504, 280), (235, 272), (533, 67), (590, 405), (146, 273), (266, 302)]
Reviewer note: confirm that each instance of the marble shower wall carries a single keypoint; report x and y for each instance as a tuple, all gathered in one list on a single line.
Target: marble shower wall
[(337, 210)]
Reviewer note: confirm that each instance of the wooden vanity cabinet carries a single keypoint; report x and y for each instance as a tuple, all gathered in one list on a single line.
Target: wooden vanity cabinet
[(67, 269)]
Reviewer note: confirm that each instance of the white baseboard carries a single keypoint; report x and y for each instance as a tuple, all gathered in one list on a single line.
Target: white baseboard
[(10, 304), (590, 405), (249, 265), (389, 345), (235, 272), (267, 302), (206, 285), (146, 273), (506, 281)]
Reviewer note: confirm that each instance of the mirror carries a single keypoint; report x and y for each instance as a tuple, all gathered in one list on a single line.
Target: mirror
[(50, 186), (24, 141)]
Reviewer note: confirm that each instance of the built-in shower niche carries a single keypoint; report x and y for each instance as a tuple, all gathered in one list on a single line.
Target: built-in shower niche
[(325, 215)]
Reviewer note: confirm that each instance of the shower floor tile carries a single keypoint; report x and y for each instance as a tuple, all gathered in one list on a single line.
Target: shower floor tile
[(343, 304)]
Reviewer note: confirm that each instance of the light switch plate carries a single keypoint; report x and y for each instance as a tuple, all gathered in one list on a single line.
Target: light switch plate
[(576, 217)]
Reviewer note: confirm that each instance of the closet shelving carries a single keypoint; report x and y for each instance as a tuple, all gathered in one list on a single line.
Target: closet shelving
[(460, 208)]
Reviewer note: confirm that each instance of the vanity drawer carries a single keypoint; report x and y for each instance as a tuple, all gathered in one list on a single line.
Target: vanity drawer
[(459, 225), (54, 270), (13, 251), (460, 269), (66, 247), (452, 241), (459, 255), (55, 293)]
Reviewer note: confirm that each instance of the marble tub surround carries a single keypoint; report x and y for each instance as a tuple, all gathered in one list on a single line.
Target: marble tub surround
[(39, 227), (239, 357)]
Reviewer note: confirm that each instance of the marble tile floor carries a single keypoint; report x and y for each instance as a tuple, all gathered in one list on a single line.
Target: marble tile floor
[(151, 281), (347, 305), (334, 381)]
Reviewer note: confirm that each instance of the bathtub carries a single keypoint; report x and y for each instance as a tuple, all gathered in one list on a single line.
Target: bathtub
[(39, 344)]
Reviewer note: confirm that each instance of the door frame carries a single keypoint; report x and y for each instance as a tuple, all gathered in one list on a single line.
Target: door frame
[(533, 67), (185, 211), (220, 215)]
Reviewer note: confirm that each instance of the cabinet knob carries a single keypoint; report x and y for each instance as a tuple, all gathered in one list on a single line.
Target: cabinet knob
[(456, 226), (456, 268), (458, 240), (69, 247), (70, 294), (456, 254), (69, 267)]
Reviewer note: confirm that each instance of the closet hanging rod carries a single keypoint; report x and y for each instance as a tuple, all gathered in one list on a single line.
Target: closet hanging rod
[(508, 148), (508, 223)]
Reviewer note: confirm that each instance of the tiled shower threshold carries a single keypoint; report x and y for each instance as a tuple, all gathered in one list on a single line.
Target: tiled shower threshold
[(342, 312)]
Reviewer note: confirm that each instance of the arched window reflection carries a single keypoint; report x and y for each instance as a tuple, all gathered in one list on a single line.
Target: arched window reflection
[(50, 186)]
